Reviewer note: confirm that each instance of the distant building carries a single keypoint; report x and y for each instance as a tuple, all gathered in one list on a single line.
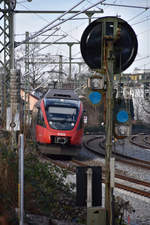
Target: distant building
[(137, 77), (32, 99)]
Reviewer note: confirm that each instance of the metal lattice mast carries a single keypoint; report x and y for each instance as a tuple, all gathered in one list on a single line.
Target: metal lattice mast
[(26, 102), (5, 57)]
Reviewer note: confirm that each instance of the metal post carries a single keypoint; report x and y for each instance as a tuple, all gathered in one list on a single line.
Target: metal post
[(89, 187), (60, 68), (21, 180), (26, 100), (12, 40), (89, 14), (80, 64), (70, 58), (109, 114), (12, 79), (13, 105)]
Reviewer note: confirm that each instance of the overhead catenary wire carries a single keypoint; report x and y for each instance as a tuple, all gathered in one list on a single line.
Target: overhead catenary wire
[(55, 26), (38, 15), (21, 2), (142, 58), (45, 81), (71, 17), (139, 14), (126, 6), (119, 5), (98, 7), (43, 29), (41, 75), (46, 21), (21, 58), (61, 22), (37, 70), (145, 20)]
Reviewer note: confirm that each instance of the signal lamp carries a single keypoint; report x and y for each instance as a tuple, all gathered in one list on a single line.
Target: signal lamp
[(122, 125), (122, 116), (95, 97), (122, 131), (96, 82)]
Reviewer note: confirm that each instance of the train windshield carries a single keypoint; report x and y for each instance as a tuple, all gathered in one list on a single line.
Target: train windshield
[(62, 115)]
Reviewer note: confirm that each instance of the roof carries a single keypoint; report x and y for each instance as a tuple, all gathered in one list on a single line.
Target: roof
[(62, 94)]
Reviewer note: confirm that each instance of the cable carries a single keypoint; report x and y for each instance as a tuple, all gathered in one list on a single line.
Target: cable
[(98, 7), (76, 14), (42, 30), (126, 6), (41, 48), (21, 2), (69, 35), (147, 18), (137, 15), (48, 21), (142, 58), (34, 14), (60, 17), (59, 23)]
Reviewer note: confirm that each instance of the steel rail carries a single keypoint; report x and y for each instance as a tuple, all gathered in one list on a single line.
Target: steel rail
[(72, 167), (119, 157)]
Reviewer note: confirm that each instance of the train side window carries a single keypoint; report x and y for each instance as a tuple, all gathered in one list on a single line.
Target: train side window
[(40, 118)]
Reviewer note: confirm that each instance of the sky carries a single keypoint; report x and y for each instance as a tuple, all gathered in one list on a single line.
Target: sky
[(136, 13)]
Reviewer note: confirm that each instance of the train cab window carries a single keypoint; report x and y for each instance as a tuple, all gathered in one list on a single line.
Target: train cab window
[(40, 118), (62, 117)]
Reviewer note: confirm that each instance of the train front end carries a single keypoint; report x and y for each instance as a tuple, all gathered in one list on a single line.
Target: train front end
[(60, 129)]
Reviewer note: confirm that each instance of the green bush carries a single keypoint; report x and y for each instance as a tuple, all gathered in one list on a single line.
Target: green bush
[(45, 189)]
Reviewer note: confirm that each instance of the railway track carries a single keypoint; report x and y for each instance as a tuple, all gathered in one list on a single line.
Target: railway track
[(142, 140), (127, 183), (119, 179), (123, 178), (97, 144)]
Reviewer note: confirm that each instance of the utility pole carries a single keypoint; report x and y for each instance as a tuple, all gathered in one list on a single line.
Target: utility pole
[(70, 44), (109, 122), (21, 180), (5, 58), (70, 58), (26, 97), (109, 57), (13, 79), (60, 68)]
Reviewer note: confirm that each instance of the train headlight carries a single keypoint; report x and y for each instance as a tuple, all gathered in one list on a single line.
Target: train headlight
[(72, 124)]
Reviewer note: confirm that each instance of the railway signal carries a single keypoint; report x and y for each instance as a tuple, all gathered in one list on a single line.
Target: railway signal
[(109, 46), (123, 113), (96, 89), (122, 124), (93, 43)]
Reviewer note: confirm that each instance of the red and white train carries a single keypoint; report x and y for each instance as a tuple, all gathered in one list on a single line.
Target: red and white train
[(57, 122)]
